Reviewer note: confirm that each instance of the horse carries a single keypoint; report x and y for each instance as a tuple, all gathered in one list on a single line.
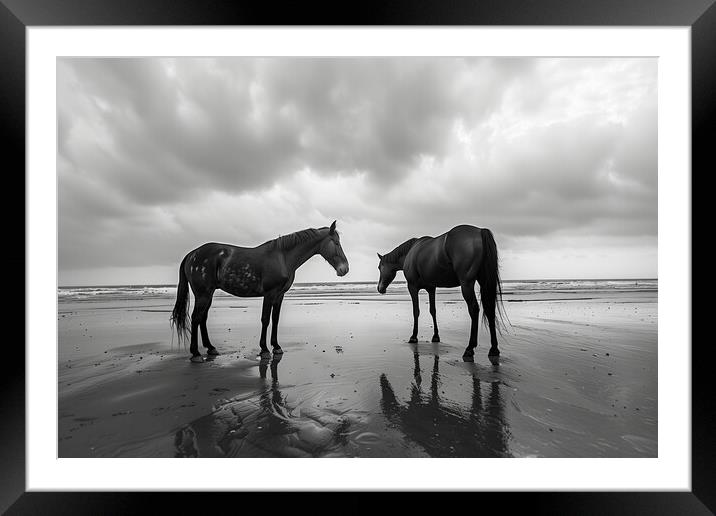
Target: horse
[(458, 257), (267, 270)]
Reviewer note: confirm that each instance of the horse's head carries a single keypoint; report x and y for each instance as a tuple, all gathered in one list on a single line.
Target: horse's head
[(387, 273), (332, 251)]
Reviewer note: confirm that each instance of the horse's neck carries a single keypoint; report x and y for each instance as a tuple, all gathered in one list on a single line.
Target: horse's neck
[(399, 262), (301, 252), (400, 259)]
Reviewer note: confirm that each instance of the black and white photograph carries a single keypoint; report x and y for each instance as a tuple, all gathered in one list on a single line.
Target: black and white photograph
[(385, 257)]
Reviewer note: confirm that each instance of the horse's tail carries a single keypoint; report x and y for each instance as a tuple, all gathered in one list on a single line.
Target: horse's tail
[(180, 315), (489, 279)]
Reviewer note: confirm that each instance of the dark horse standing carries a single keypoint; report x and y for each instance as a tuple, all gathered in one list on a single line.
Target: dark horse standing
[(460, 257), (267, 270)]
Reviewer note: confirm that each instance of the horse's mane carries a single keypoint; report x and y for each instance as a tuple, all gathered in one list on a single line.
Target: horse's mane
[(292, 240), (400, 251)]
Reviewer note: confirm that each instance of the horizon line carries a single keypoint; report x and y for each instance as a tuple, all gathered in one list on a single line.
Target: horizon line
[(358, 282)]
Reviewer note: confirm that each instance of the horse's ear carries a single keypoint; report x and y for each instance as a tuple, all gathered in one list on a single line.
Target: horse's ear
[(379, 256), (333, 228)]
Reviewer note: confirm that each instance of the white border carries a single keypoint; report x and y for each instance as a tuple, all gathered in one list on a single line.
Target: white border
[(670, 471)]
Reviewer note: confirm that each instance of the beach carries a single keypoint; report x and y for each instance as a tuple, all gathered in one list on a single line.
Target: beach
[(577, 375)]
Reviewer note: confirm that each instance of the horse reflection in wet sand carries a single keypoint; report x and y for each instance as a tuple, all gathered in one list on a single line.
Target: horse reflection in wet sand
[(267, 270), (459, 257), (266, 427), (441, 427)]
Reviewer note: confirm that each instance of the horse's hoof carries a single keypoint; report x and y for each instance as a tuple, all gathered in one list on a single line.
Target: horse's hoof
[(436, 338), (413, 340), (197, 358), (277, 351), (494, 359), (213, 352), (468, 358), (265, 354)]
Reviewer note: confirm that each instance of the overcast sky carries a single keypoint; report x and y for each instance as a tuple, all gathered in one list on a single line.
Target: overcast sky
[(157, 156)]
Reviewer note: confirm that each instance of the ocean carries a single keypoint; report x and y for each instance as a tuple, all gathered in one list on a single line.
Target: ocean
[(513, 290)]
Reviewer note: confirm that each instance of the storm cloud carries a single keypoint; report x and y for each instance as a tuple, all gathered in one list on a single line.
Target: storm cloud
[(556, 156)]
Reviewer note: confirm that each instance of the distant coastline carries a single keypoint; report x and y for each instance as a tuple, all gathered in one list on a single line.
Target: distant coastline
[(396, 282), (512, 290)]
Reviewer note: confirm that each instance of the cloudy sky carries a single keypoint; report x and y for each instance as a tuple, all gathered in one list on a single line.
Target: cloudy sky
[(157, 156)]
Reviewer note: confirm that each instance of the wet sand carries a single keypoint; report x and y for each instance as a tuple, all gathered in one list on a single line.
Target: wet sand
[(577, 378)]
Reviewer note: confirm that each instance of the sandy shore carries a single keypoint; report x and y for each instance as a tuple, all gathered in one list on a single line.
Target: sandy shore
[(577, 378)]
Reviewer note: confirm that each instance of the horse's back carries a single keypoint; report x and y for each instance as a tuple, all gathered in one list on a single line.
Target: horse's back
[(447, 259), (217, 247), (465, 231), (209, 254), (439, 248)]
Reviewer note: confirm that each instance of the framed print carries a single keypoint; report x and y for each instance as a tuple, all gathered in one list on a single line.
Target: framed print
[(207, 176)]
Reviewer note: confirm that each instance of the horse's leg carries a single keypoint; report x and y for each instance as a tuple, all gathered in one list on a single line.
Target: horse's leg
[(275, 313), (468, 293), (416, 312), (433, 312), (194, 346), (201, 304), (265, 319), (211, 350), (489, 306)]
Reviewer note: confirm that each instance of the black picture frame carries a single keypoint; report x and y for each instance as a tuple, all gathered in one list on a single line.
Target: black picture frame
[(17, 15)]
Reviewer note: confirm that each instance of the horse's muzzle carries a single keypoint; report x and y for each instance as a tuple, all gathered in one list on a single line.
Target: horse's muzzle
[(342, 269), (381, 289)]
